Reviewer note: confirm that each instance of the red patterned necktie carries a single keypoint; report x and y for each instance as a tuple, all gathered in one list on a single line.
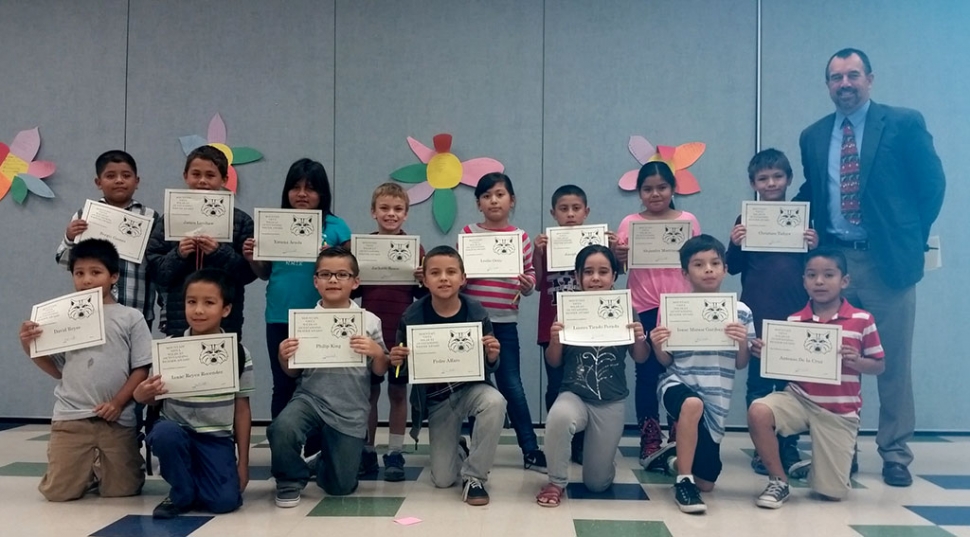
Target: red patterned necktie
[(849, 175)]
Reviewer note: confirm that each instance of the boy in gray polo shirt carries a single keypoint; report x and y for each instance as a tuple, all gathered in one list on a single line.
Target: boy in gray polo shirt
[(94, 414)]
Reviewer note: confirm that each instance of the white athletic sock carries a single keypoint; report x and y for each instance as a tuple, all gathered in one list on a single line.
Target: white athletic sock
[(395, 442), (682, 477)]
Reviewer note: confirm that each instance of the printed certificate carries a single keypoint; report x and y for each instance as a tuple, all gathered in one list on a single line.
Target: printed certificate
[(774, 226), (197, 365), (566, 242), (287, 235), (445, 353), (697, 320), (71, 322), (491, 255), (324, 336), (802, 352), (190, 213), (129, 232), (387, 259), (656, 243), (595, 318)]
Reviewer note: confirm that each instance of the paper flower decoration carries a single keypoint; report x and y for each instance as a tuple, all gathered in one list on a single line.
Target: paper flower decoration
[(438, 174), (678, 158), (19, 172), (216, 137)]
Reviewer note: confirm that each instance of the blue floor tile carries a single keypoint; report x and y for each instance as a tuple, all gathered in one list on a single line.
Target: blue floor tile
[(411, 473), (943, 515), (260, 473), (4, 425), (630, 451), (619, 491), (949, 482), (146, 526)]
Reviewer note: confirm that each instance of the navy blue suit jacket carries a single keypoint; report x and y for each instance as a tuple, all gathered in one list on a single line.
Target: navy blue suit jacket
[(902, 186)]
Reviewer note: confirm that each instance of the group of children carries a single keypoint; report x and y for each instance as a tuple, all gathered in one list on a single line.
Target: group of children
[(324, 420)]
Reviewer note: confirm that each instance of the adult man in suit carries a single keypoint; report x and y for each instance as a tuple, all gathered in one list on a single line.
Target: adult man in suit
[(876, 186)]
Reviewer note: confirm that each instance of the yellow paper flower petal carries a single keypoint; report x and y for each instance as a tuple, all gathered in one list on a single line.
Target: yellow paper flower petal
[(444, 171), (226, 150), (12, 166)]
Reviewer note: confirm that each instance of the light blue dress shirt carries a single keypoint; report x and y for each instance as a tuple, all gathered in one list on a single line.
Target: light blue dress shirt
[(838, 225)]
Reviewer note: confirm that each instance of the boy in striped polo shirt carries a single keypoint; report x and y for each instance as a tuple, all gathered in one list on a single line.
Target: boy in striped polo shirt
[(197, 438), (829, 412), (696, 388)]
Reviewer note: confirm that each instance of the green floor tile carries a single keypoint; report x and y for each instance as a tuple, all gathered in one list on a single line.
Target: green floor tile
[(357, 506), (653, 478), (41, 438), (257, 439), (24, 469), (422, 449), (803, 484), (155, 487), (901, 531), (620, 528), (512, 441)]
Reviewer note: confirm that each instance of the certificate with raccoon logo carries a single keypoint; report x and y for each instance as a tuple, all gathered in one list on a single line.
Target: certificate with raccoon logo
[(287, 235), (450, 352), (190, 213), (129, 232), (491, 255), (197, 365), (696, 321), (565, 242), (324, 336), (774, 226), (387, 259), (595, 318), (70, 322), (656, 243), (802, 352)]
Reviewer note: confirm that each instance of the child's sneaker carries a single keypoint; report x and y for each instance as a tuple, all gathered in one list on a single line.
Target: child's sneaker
[(473, 492), (800, 469), (368, 464), (657, 462), (535, 460), (788, 450), (775, 494), (758, 465), (651, 439), (394, 467), (287, 498), (688, 497), (167, 509)]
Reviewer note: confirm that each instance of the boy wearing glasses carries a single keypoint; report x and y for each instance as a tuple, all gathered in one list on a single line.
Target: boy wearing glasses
[(334, 402)]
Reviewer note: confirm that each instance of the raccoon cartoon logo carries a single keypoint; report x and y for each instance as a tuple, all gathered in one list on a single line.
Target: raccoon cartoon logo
[(789, 217), (131, 228), (504, 246), (817, 343), (673, 235), (213, 353), (344, 327), (588, 238), (460, 341), (80, 309), (609, 308), (400, 251), (213, 206), (301, 226), (715, 311)]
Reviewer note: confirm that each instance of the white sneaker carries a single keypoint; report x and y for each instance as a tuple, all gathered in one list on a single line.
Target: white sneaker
[(775, 494)]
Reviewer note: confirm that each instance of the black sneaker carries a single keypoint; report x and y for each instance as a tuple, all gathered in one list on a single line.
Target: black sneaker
[(895, 474), (167, 509), (288, 498), (576, 447), (473, 492), (535, 460), (368, 464), (758, 465), (394, 467), (775, 494), (788, 449), (688, 498)]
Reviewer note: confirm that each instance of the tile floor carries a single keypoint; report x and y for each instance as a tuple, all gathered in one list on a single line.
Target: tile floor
[(938, 503)]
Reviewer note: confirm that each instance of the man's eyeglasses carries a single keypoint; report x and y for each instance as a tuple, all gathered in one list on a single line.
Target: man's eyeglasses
[(326, 275)]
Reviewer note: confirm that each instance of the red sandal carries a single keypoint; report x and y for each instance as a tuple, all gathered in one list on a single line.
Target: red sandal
[(549, 496)]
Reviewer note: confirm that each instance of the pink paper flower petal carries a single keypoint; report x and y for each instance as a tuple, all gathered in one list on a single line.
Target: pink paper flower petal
[(666, 152), (473, 169), (217, 130), (641, 149), (628, 181), (26, 144), (41, 168), (686, 183), (420, 192), (423, 152)]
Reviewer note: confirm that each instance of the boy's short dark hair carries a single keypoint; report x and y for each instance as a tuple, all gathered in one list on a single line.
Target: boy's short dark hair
[(114, 156), (568, 190), (445, 251), (834, 254), (219, 278), (213, 155), (698, 244), (766, 160), (97, 249), (335, 252)]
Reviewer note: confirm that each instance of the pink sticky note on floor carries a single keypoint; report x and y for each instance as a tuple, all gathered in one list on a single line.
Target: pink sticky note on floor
[(407, 521)]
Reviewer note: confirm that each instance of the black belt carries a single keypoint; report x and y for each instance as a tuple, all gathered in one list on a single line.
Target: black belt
[(851, 245)]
